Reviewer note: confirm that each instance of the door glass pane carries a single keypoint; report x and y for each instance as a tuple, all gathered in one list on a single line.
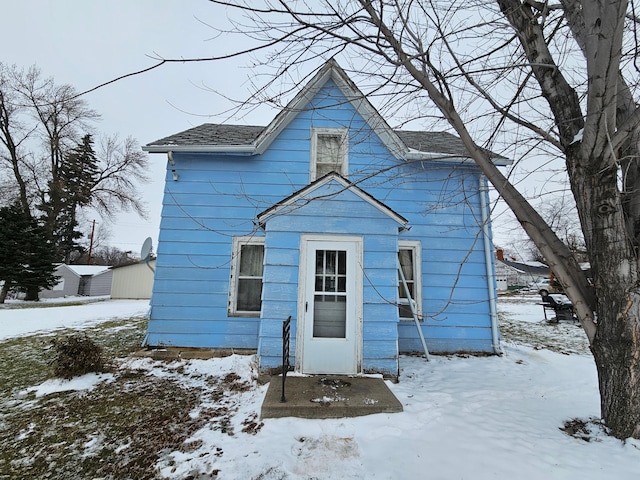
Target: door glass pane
[(330, 262), (342, 262), (330, 301), (329, 316)]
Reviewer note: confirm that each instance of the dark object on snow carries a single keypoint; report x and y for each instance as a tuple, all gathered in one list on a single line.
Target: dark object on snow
[(561, 306), (76, 355)]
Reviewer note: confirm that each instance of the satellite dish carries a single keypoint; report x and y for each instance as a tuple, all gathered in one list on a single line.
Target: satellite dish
[(145, 251)]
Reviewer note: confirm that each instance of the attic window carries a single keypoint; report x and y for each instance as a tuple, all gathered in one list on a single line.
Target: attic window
[(329, 147)]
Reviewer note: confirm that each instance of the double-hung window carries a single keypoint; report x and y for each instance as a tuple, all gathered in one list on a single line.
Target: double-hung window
[(245, 292), (410, 262), (329, 148)]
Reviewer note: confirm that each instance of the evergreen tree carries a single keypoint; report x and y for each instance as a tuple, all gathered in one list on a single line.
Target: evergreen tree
[(79, 173), (28, 263), (70, 189)]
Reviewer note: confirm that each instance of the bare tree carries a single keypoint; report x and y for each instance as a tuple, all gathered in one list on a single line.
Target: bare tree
[(122, 168), (558, 77), (42, 125), (562, 216)]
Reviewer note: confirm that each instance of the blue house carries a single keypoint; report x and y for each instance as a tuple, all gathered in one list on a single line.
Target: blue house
[(364, 235)]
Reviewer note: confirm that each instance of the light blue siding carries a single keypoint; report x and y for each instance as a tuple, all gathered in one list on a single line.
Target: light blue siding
[(283, 233), (219, 196)]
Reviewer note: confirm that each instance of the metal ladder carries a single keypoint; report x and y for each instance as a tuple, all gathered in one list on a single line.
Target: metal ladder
[(412, 306)]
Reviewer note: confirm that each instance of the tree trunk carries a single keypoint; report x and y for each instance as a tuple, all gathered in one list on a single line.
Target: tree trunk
[(616, 346), (32, 294), (617, 354), (4, 291)]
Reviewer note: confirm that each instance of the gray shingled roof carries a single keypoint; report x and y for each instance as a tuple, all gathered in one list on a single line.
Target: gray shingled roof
[(438, 142), (539, 270), (213, 134), (221, 134)]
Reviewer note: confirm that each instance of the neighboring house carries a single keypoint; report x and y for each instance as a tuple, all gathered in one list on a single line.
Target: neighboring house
[(133, 281), (512, 274), (309, 217), (88, 280)]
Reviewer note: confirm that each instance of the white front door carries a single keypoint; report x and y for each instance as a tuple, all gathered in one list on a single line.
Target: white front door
[(331, 305)]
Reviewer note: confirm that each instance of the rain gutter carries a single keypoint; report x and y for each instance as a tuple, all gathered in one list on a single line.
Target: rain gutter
[(488, 260)]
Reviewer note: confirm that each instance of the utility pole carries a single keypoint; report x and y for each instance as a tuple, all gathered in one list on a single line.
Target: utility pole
[(93, 228)]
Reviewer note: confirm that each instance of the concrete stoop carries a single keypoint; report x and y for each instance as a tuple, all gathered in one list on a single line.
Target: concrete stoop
[(328, 396)]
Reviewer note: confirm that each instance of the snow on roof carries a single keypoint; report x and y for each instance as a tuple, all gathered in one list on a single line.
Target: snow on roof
[(535, 264), (83, 270)]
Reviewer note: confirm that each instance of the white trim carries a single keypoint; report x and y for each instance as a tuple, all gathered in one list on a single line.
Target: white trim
[(276, 210), (238, 242), (451, 158), (416, 247), (240, 149), (343, 133), (489, 265), (358, 293)]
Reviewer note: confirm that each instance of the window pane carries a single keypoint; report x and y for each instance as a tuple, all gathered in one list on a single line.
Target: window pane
[(251, 259), (406, 262), (249, 293), (329, 149), (402, 292), (329, 154), (406, 258), (323, 168), (405, 311)]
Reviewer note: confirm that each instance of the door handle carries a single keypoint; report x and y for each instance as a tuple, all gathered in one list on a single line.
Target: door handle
[(306, 306)]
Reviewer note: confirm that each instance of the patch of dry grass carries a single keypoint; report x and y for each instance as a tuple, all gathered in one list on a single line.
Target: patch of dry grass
[(562, 337), (120, 429)]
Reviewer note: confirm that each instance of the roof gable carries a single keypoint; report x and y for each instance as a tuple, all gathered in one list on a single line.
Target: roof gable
[(342, 184), (254, 140), (332, 71), (86, 270)]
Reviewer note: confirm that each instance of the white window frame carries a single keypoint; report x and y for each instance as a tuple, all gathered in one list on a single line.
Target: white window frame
[(416, 248), (343, 133), (238, 243)]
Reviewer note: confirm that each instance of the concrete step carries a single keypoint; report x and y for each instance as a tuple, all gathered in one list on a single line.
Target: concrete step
[(328, 396)]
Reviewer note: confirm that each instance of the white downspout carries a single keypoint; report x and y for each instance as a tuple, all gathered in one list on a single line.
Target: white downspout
[(488, 259)]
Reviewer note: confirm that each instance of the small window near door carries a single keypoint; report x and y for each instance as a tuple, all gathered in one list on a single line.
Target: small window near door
[(410, 262), (329, 147), (245, 292)]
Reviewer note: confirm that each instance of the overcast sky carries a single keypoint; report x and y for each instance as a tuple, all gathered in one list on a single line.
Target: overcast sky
[(86, 43)]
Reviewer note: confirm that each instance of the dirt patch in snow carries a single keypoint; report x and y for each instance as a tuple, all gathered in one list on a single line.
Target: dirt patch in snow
[(143, 418)]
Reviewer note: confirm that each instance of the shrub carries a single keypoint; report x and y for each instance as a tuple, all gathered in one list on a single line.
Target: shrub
[(76, 355)]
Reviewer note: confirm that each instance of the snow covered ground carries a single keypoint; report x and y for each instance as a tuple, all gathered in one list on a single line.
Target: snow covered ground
[(84, 313), (464, 417)]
